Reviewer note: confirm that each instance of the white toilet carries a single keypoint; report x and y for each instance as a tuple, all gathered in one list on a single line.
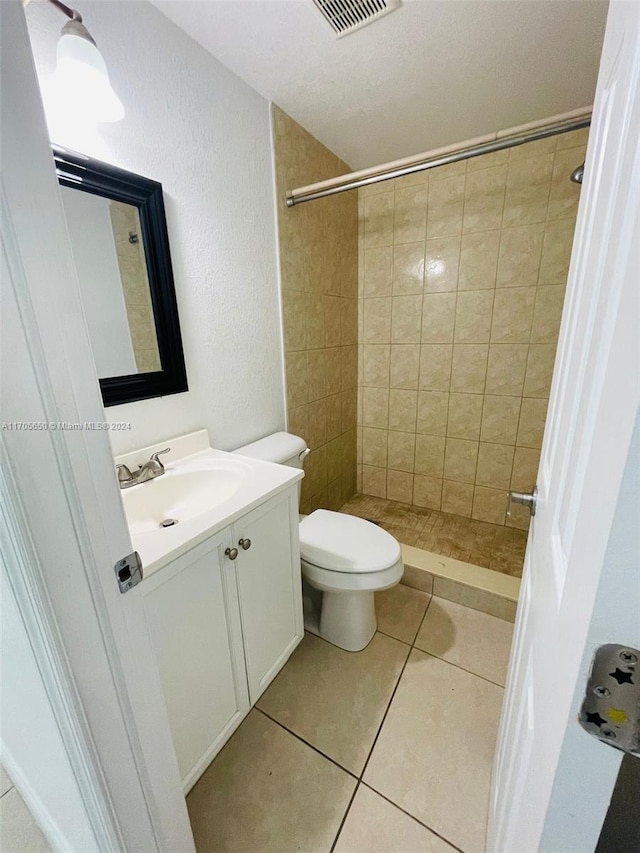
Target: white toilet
[(344, 559)]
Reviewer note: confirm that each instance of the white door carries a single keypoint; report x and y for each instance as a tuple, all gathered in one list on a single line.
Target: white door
[(194, 618), (594, 401), (269, 583), (91, 643)]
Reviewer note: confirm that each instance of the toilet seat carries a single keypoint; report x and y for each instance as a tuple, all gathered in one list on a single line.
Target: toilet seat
[(328, 581), (345, 544)]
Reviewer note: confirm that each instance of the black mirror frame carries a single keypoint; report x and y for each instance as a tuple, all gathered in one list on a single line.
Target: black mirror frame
[(93, 176)]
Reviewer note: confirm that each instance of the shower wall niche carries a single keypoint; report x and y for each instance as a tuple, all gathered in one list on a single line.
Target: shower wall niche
[(462, 273)]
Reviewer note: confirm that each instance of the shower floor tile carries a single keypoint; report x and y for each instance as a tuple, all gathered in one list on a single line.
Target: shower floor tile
[(492, 546)]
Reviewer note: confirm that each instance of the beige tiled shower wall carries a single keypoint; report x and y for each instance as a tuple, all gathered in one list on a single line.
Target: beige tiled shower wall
[(125, 222), (319, 276), (462, 277)]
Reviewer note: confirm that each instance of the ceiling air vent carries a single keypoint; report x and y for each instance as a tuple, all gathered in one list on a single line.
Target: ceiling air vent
[(346, 16)]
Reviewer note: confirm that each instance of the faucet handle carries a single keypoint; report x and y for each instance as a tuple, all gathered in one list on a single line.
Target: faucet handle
[(124, 474), (154, 456)]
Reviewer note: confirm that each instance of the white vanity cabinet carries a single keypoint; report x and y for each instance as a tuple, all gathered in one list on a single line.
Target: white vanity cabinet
[(223, 625), (194, 620), (270, 589)]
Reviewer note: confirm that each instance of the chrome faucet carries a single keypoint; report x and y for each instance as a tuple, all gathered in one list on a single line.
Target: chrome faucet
[(149, 471)]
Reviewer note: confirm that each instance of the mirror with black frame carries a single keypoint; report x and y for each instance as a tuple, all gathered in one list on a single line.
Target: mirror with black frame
[(118, 231)]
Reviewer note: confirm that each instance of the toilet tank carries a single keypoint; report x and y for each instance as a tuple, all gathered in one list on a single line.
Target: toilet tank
[(281, 447)]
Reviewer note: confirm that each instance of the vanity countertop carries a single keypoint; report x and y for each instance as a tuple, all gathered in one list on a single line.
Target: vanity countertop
[(204, 490)]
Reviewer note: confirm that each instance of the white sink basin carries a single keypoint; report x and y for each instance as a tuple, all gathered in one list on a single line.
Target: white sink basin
[(203, 490), (180, 495)]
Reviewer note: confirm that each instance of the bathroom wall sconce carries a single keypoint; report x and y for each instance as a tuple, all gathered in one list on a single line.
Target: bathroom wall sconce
[(81, 84)]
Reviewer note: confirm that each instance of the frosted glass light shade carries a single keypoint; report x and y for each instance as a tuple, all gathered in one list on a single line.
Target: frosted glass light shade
[(82, 82)]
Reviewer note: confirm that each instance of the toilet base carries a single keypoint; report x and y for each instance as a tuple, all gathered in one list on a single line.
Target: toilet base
[(348, 619), (345, 619), (340, 607), (311, 604)]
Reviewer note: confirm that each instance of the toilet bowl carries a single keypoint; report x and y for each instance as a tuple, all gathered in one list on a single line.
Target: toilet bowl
[(344, 559), (347, 559)]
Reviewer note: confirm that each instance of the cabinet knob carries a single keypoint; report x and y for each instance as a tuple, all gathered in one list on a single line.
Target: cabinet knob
[(231, 553), (245, 544)]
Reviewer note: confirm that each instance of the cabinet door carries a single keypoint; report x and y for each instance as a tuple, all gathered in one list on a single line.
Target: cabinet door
[(269, 581), (194, 619)]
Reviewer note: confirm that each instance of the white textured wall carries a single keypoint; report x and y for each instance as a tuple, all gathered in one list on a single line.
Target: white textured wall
[(94, 253), (204, 134)]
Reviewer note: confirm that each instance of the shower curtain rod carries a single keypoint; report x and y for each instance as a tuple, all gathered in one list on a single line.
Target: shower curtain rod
[(441, 156)]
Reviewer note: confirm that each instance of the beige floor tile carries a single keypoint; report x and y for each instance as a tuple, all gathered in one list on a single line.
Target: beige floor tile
[(18, 830), (5, 782), (400, 611), (434, 754), (373, 825), (334, 699), (467, 638), (268, 792)]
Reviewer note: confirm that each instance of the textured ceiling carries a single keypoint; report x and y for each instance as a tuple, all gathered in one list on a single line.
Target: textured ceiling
[(432, 73)]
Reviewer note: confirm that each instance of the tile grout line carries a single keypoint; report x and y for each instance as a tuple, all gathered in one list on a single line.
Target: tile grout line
[(444, 660), (397, 684), (424, 616), (391, 637), (384, 716), (450, 391), (457, 666), (413, 817), (306, 743), (361, 780), (344, 817)]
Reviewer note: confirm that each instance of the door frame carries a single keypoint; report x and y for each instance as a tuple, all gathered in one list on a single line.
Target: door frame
[(595, 384), (64, 524)]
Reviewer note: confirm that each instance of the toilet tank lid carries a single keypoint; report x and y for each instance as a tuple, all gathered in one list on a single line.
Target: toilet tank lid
[(279, 447)]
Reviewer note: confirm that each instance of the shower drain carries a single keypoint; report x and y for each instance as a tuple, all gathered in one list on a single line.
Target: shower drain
[(168, 522)]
